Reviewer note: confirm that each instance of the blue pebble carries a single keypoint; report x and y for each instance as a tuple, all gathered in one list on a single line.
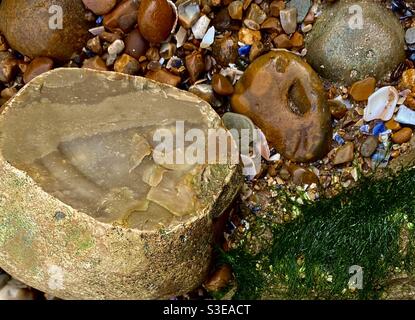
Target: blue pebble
[(338, 139), (364, 128), (412, 57), (378, 129), (99, 20), (244, 51)]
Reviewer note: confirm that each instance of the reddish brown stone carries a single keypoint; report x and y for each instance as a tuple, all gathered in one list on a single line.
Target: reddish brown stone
[(164, 76), (221, 85), (37, 67), (95, 63), (195, 65), (124, 16), (100, 7), (285, 98), (127, 64), (135, 45)]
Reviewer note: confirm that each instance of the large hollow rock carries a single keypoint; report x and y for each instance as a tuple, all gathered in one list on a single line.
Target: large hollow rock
[(85, 210), (355, 39), (32, 27)]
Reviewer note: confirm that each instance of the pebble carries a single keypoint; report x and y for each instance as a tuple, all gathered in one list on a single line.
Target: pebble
[(272, 24), (369, 146), (225, 50), (255, 13), (302, 176), (237, 122), (94, 45), (295, 120), (37, 67), (195, 65), (337, 109), (205, 92), (410, 35), (25, 24), (393, 125), (100, 7), (219, 279), (127, 64), (156, 19), (235, 10), (256, 50), (248, 36), (297, 40), (181, 37), (12, 292), (95, 63), (275, 7), (221, 85), (164, 76), (116, 47), (344, 154), (381, 104), (407, 79), (123, 17), (288, 18), (282, 41), (188, 13), (361, 90), (8, 93), (402, 136), (345, 55), (135, 44), (8, 66), (200, 27), (302, 6), (405, 115)]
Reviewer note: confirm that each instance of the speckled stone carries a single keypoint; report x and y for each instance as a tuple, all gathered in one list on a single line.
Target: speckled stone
[(342, 54), (28, 31)]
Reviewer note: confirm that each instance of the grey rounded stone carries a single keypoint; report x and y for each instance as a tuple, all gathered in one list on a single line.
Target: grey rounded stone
[(355, 39), (410, 36)]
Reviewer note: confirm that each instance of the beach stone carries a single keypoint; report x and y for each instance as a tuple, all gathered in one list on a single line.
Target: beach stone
[(225, 50), (344, 154), (135, 45), (361, 90), (124, 16), (341, 51), (302, 6), (393, 125), (100, 7), (285, 98), (83, 195), (288, 18), (29, 33), (410, 35), (219, 279), (337, 109), (302, 176), (36, 67), (164, 76), (195, 65), (8, 66), (95, 63), (127, 64), (248, 36), (369, 146), (156, 19), (402, 136), (222, 85), (235, 10)]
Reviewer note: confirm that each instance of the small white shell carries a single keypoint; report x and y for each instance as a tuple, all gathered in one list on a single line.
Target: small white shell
[(405, 115), (381, 104)]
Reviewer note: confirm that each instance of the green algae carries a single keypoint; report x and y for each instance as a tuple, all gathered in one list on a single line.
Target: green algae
[(370, 226)]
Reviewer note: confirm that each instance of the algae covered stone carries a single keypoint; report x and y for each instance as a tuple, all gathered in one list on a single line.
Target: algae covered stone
[(285, 98), (88, 210), (352, 40), (51, 28)]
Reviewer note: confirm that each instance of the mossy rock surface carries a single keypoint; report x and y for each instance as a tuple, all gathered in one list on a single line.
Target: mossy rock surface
[(78, 219)]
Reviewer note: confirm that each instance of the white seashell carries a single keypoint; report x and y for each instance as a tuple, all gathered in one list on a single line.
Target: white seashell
[(249, 169), (200, 27), (405, 115), (208, 38), (345, 102), (381, 104)]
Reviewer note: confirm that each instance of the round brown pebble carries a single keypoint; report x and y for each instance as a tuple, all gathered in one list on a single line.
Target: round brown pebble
[(135, 44), (337, 109), (37, 67), (402, 136), (156, 19), (100, 7), (369, 146), (222, 85), (123, 17), (127, 64)]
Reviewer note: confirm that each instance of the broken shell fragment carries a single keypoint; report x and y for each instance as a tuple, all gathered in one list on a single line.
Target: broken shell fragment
[(381, 104), (128, 227), (405, 115)]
